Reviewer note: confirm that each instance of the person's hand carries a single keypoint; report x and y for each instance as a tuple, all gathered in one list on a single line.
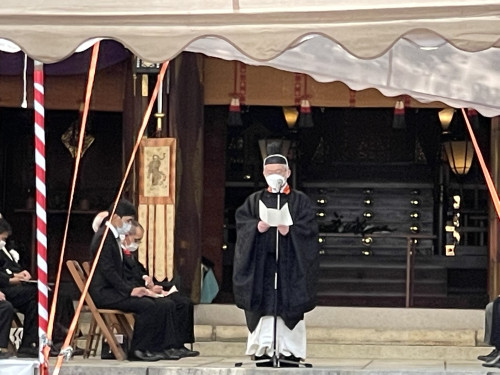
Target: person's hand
[(20, 276), (148, 281), (157, 289), (262, 226), (26, 275), (2, 296), (283, 229), (140, 291)]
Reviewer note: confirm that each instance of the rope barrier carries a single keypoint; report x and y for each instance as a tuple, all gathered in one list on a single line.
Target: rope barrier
[(142, 129), (489, 182), (88, 94)]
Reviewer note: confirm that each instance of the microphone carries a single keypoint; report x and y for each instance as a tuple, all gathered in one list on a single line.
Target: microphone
[(279, 184)]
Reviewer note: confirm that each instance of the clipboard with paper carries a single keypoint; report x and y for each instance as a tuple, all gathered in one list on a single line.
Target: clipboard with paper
[(275, 217)]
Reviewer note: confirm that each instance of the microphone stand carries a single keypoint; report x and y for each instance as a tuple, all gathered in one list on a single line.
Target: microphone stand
[(275, 360)]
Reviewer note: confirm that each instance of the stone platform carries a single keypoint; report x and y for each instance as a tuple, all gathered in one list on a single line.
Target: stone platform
[(358, 332), (321, 366), (341, 340)]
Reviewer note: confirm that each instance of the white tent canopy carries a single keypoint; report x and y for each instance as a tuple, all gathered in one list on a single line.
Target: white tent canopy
[(431, 50)]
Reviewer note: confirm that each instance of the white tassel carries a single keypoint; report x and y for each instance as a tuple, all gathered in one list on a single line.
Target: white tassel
[(24, 104)]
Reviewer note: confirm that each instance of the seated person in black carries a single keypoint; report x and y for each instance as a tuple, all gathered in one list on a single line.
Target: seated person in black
[(181, 322), (23, 297), (152, 339), (6, 314)]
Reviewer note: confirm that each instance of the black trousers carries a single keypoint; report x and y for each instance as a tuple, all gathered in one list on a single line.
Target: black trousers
[(24, 298), (154, 327), (183, 319), (6, 315)]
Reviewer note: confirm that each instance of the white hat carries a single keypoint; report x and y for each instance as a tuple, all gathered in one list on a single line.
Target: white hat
[(98, 220)]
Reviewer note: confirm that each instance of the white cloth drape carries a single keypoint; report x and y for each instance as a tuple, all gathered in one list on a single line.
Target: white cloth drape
[(288, 342)]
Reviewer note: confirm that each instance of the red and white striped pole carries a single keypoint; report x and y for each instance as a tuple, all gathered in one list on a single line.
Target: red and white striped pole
[(41, 213)]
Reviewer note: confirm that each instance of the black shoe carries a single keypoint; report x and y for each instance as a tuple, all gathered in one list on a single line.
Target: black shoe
[(185, 352), (78, 351), (488, 357), (28, 352), (493, 362), (4, 354), (139, 355), (170, 354), (289, 361), (263, 360)]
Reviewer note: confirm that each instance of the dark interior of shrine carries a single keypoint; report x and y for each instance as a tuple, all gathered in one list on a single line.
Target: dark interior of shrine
[(347, 157)]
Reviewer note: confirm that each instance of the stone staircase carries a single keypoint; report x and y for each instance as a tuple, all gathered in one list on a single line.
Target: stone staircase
[(357, 332)]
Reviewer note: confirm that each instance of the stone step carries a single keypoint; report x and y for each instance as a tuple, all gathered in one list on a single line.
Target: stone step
[(355, 336), (316, 350), (359, 317), (352, 333), (358, 333)]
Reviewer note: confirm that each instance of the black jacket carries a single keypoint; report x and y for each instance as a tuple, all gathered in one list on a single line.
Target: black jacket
[(109, 284)]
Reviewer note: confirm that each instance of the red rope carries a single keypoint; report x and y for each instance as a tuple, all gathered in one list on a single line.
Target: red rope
[(142, 129), (489, 182), (86, 106)]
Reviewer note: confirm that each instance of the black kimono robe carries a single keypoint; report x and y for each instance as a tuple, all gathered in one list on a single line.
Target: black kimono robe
[(255, 260)]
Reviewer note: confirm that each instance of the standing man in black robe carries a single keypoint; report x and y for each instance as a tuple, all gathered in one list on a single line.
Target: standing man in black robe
[(256, 264)]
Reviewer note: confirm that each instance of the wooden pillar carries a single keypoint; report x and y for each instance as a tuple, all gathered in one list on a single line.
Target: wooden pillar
[(494, 223), (186, 123)]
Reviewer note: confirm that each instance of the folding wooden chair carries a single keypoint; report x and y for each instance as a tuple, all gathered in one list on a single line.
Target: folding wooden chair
[(106, 320), (94, 334)]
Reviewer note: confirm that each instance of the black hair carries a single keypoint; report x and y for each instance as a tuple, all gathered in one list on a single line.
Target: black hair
[(124, 208), (5, 226)]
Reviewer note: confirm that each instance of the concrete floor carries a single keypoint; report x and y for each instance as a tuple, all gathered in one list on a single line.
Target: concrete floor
[(226, 366)]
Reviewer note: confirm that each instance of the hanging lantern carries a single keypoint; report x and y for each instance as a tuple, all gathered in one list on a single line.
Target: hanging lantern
[(460, 155), (234, 118), (305, 116), (445, 117), (398, 121)]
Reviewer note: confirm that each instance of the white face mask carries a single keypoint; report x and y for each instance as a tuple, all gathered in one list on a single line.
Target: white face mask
[(133, 246), (2, 244), (275, 182), (125, 228)]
